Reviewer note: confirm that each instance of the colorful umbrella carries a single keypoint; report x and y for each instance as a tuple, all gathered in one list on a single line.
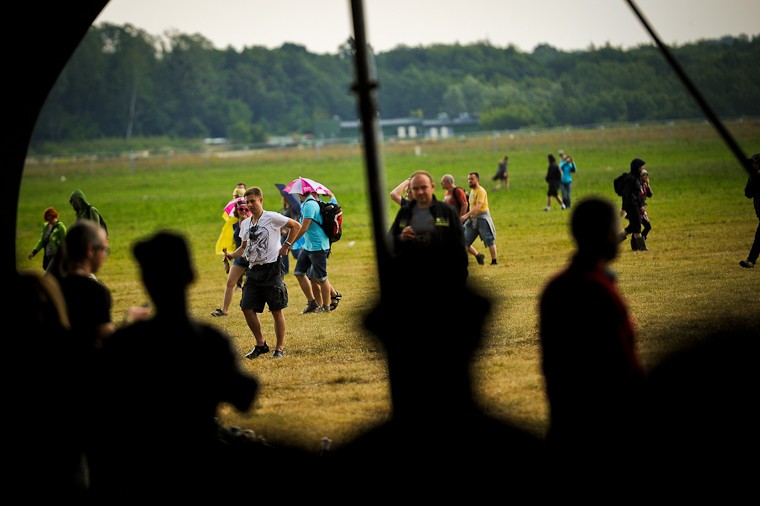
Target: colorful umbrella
[(303, 185), (294, 201)]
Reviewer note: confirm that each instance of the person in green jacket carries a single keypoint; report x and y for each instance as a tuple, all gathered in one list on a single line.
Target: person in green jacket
[(53, 234), (85, 210)]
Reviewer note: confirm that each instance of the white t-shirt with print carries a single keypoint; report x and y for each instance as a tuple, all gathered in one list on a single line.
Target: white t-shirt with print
[(263, 237)]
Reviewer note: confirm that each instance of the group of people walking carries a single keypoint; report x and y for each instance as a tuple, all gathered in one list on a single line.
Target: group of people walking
[(594, 388), (559, 179), (419, 218), (264, 241)]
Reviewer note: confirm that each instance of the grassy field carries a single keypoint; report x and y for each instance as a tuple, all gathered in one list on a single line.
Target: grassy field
[(333, 381)]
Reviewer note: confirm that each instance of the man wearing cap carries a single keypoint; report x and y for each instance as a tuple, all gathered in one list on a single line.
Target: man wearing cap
[(632, 204)]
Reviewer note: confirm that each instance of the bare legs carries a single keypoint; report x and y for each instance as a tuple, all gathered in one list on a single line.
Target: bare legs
[(549, 202), (322, 291), (236, 272), (252, 319)]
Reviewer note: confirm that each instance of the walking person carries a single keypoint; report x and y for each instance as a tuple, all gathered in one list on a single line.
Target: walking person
[(568, 168), (260, 234), (235, 269), (502, 174), (312, 262), (53, 235), (333, 296), (457, 198), (752, 191), (593, 380), (86, 211), (477, 221), (646, 193), (553, 178), (633, 202)]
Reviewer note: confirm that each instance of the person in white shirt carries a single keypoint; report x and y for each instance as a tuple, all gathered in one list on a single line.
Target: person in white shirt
[(264, 285)]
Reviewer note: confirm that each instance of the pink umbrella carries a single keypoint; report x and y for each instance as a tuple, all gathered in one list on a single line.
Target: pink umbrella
[(303, 185)]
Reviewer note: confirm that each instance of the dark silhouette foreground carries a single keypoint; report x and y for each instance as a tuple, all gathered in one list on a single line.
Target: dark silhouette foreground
[(437, 440), (160, 384)]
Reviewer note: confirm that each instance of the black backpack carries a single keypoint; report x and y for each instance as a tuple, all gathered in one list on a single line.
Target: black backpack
[(332, 220), (619, 183)]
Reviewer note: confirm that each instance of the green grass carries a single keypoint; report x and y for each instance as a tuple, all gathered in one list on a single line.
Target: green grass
[(333, 381)]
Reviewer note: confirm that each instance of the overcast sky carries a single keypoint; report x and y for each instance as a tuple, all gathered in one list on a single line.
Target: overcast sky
[(322, 25)]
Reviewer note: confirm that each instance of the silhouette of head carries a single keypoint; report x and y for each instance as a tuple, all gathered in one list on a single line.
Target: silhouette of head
[(594, 226), (754, 162), (162, 277)]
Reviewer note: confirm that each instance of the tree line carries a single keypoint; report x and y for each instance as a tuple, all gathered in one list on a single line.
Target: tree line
[(122, 82)]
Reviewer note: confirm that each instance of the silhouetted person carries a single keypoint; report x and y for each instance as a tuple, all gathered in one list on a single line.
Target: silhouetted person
[(44, 458), (592, 373), (633, 200), (161, 383), (752, 191), (438, 441)]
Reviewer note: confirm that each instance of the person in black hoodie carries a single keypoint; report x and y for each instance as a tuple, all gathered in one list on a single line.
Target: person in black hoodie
[(632, 204), (752, 191)]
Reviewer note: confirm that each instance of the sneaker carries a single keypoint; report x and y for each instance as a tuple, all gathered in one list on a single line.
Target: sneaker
[(564, 207), (334, 301), (481, 259), (493, 261), (747, 264), (311, 307), (278, 354), (322, 309), (218, 312), (257, 350), (547, 208)]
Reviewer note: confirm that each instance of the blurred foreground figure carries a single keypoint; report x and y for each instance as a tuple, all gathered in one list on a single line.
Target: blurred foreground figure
[(44, 454), (161, 381), (438, 440), (592, 373)]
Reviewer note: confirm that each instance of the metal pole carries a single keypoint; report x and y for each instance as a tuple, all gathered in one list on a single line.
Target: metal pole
[(727, 137), (365, 87)]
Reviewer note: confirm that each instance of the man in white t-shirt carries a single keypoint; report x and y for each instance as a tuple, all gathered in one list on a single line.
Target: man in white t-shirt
[(260, 234)]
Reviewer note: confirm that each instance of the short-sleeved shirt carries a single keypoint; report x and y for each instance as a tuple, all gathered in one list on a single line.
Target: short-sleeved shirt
[(316, 239), (456, 198), (479, 194), (263, 237), (89, 306)]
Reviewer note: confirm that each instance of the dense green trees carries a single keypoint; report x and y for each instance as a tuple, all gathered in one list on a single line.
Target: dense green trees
[(122, 82)]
